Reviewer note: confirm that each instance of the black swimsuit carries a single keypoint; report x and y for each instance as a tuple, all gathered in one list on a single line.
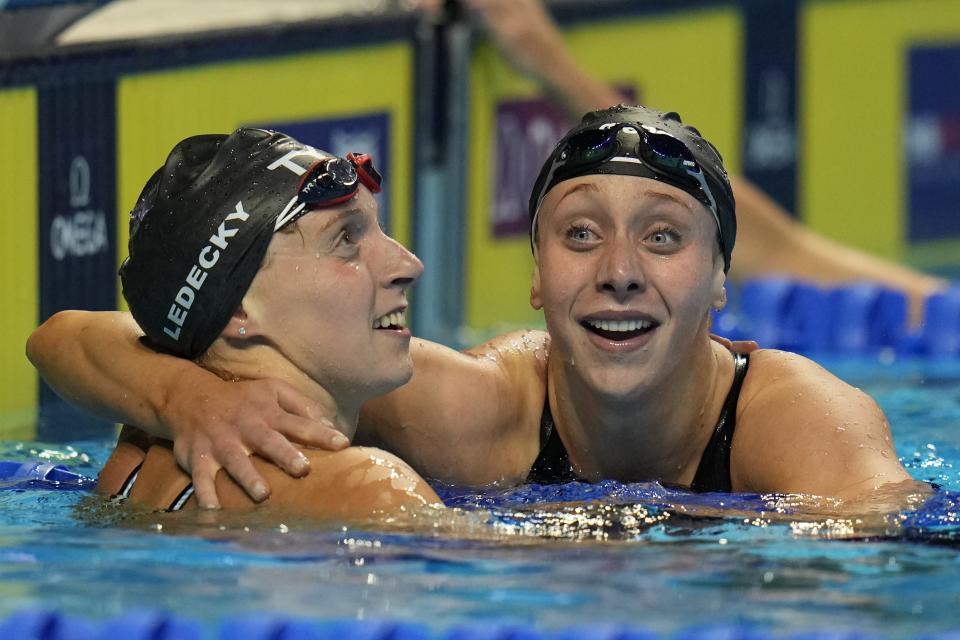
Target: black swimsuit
[(553, 465)]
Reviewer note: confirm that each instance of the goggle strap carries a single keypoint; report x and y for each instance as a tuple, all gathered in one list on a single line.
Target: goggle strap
[(363, 163), (289, 213)]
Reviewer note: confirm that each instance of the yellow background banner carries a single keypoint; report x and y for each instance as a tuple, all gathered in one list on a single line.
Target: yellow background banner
[(19, 279), (853, 102)]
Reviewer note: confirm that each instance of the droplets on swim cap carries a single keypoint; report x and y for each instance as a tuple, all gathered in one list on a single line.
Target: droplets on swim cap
[(668, 151), (201, 228)]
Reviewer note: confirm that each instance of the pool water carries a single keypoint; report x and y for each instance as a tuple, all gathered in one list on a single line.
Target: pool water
[(541, 557)]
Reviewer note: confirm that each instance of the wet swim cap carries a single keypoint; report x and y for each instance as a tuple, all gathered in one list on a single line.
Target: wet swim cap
[(203, 222), (637, 141)]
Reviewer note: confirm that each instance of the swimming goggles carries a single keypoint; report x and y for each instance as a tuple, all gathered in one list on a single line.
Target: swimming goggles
[(329, 182), (332, 181), (642, 145)]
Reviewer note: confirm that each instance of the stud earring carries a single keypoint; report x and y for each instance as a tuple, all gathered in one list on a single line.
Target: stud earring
[(242, 331)]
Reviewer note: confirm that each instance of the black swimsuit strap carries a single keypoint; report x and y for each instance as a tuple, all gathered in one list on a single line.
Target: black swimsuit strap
[(713, 474), (553, 466)]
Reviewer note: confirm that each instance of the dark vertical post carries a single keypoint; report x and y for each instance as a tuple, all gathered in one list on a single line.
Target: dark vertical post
[(770, 149), (77, 234)]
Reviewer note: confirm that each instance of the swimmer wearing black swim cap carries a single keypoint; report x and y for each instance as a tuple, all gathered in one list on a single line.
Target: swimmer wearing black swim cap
[(202, 224), (642, 142)]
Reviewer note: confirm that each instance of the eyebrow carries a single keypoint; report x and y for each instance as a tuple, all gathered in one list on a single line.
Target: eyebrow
[(583, 186), (339, 217), (663, 195)]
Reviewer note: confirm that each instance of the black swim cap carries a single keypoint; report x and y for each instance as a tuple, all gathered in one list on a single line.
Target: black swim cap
[(200, 231), (643, 142)]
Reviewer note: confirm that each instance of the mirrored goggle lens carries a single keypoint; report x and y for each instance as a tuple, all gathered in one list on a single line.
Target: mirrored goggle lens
[(666, 152), (589, 147), (329, 182)]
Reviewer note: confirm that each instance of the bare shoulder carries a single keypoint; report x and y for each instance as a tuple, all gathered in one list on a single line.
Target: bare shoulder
[(802, 429), (521, 359), (775, 376), (519, 353), (354, 483)]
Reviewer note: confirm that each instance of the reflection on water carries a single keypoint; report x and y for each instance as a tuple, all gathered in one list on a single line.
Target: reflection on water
[(637, 554)]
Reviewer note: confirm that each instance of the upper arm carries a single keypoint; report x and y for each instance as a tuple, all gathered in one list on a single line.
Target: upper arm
[(96, 361), (460, 417), (80, 355), (803, 430), (67, 333)]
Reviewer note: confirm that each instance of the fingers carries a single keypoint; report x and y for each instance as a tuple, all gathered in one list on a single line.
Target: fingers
[(292, 401), (721, 340), (746, 346), (320, 433), (252, 417), (202, 463), (278, 450), (236, 462), (306, 422), (202, 468), (204, 488), (739, 346)]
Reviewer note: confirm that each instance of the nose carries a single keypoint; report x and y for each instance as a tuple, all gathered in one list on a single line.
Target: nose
[(620, 273), (405, 267)]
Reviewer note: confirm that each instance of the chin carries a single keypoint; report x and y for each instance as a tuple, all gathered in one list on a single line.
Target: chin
[(617, 387), (389, 381)]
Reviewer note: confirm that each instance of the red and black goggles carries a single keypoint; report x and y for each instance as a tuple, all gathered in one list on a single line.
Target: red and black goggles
[(333, 181)]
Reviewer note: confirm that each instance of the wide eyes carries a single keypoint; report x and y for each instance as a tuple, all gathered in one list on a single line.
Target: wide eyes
[(581, 234), (662, 237)]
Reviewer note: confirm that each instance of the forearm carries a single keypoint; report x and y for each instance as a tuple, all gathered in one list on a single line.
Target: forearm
[(770, 241), (571, 85), (95, 361), (530, 40)]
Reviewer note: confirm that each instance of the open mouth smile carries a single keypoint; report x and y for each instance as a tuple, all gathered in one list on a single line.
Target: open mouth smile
[(393, 321), (622, 330)]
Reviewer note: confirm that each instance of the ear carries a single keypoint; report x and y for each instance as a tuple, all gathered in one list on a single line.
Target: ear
[(719, 290), (241, 326), (535, 301)]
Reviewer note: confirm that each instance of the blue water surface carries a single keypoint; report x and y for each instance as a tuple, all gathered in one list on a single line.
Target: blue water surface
[(541, 557)]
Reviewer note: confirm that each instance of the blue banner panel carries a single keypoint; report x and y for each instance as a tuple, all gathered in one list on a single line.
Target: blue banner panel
[(933, 143), (527, 129), (340, 136), (770, 98), (77, 234)]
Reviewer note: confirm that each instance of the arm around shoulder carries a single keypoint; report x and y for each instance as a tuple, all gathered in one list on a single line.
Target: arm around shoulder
[(462, 416), (95, 360)]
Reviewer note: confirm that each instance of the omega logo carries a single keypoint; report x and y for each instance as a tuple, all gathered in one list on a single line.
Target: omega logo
[(82, 232)]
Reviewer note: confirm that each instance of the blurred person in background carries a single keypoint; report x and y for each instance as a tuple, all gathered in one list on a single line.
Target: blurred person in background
[(770, 241)]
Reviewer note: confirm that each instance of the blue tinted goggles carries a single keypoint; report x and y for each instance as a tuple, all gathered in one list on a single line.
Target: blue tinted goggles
[(647, 148)]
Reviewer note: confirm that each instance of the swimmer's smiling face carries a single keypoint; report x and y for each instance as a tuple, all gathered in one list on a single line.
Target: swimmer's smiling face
[(627, 271), (331, 298)]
